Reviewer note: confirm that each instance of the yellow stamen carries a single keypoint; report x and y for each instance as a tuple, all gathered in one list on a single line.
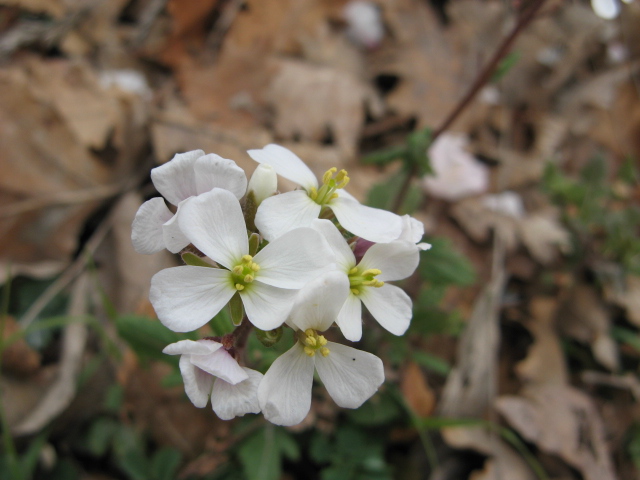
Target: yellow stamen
[(355, 291), (324, 351), (322, 341), (255, 267), (313, 193), (239, 287), (309, 351), (371, 271), (248, 278), (353, 271), (312, 342), (247, 259), (329, 174), (334, 195), (237, 270), (309, 332)]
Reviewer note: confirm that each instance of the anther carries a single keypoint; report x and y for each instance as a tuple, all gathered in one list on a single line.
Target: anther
[(311, 341), (328, 175), (237, 270), (324, 351), (309, 351), (247, 259), (355, 291), (309, 332), (313, 193), (248, 278), (255, 267), (322, 341), (371, 271), (239, 287), (353, 271)]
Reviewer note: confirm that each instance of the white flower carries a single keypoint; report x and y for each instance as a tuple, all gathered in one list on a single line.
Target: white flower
[(184, 177), (234, 391), (281, 213), (263, 183), (187, 297), (388, 304), (364, 23), (457, 173), (607, 9), (350, 376), (413, 231)]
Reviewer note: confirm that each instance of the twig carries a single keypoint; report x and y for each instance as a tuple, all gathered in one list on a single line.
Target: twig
[(484, 76)]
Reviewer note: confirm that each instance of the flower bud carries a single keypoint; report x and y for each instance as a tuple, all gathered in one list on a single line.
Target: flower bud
[(263, 183), (269, 338)]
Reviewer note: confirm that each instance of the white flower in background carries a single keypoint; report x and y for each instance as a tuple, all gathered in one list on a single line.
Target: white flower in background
[(607, 9), (388, 304), (506, 203), (208, 369), (457, 173), (281, 213), (350, 376), (185, 298), (179, 180), (364, 23)]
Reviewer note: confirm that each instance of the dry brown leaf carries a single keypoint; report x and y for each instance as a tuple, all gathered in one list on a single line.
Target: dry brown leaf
[(544, 236), (628, 297), (18, 358), (563, 421), (416, 391), (504, 464), (311, 101), (545, 363), (584, 318)]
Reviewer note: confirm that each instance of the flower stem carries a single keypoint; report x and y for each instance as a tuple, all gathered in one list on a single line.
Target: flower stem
[(483, 77)]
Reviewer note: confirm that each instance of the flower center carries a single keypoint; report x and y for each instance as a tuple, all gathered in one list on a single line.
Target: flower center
[(331, 181), (313, 342), (244, 273), (358, 280)]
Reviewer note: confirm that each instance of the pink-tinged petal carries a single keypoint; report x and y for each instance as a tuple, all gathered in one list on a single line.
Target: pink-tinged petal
[(350, 318), (185, 298), (390, 306), (220, 364), (286, 163), (282, 213), (197, 384), (214, 223), (318, 303), (199, 347), (146, 230), (267, 307), (350, 376), (396, 260), (293, 259), (229, 401), (369, 223), (174, 239), (175, 180), (213, 171), (343, 254), (285, 391)]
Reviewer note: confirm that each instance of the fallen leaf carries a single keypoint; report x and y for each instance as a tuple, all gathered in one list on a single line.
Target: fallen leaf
[(544, 236), (563, 421), (416, 391), (18, 358)]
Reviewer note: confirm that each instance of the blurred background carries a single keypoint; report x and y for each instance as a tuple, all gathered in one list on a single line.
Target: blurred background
[(522, 358)]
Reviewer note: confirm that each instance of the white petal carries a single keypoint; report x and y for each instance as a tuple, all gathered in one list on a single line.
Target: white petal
[(146, 230), (286, 163), (285, 391), (213, 171), (350, 318), (229, 401), (185, 298), (390, 306), (606, 9), (220, 364), (318, 303), (412, 229), (263, 183), (214, 223), (293, 259), (345, 258), (175, 180), (174, 239), (369, 223), (197, 384), (200, 347), (267, 307), (350, 376), (396, 260), (282, 213)]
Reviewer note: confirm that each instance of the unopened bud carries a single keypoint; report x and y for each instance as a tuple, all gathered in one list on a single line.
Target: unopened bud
[(270, 337), (263, 183)]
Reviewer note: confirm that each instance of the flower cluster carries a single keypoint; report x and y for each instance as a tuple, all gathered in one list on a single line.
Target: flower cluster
[(305, 259)]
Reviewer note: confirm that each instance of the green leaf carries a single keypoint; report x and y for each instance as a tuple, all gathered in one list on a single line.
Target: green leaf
[(626, 336), (129, 453), (505, 65), (442, 265), (383, 157), (378, 410), (431, 362), (165, 464), (260, 455), (29, 459), (148, 337), (100, 435), (382, 195)]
